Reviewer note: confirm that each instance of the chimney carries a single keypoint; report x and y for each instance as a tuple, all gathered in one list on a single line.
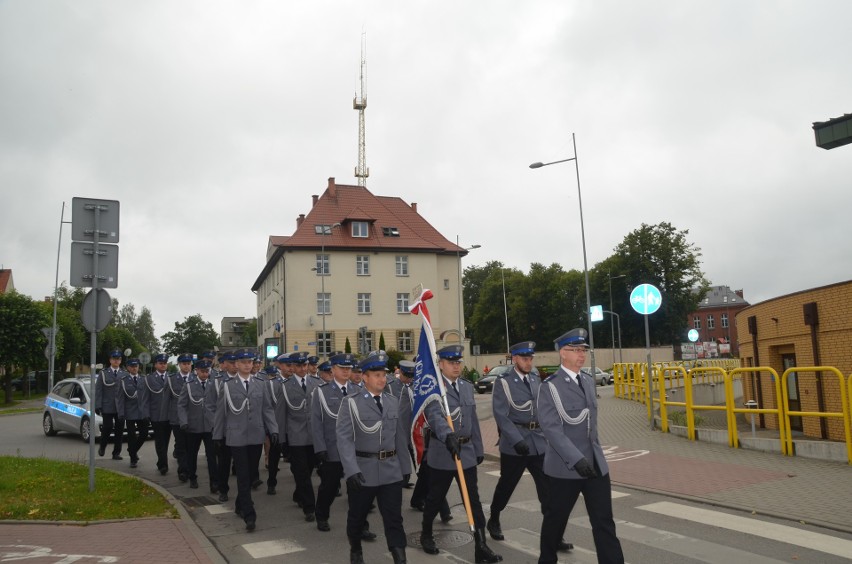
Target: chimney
[(300, 219), (739, 293), (315, 198), (332, 189), (414, 206)]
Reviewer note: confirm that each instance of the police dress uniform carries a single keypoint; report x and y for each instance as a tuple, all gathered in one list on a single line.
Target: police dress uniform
[(442, 465), (244, 417), (296, 405), (372, 445), (223, 451), (522, 442), (107, 390), (130, 409), (276, 395), (155, 404), (197, 415), (568, 413)]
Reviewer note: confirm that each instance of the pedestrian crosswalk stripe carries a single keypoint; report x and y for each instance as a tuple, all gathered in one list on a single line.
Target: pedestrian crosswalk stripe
[(265, 549), (782, 533), (217, 509), (527, 542)]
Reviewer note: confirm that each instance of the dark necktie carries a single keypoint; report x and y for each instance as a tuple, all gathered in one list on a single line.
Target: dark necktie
[(204, 384), (343, 389), (455, 388), (526, 380), (246, 383), (580, 385), (134, 380), (304, 388), (163, 378), (379, 402)]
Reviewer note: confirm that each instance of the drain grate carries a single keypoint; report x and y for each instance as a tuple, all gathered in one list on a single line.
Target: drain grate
[(443, 539), (200, 501)]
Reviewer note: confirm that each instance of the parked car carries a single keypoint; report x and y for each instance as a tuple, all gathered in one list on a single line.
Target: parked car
[(486, 383), (66, 408), (18, 383), (601, 378), (37, 381)]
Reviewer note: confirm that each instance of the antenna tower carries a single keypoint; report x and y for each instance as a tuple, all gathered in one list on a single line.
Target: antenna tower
[(360, 103)]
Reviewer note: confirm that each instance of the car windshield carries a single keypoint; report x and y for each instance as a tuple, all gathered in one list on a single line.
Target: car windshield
[(497, 370)]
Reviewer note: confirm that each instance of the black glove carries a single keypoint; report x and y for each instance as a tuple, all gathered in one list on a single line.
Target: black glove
[(322, 456), (97, 411), (273, 439), (585, 469), (219, 445), (522, 448), (184, 427), (354, 482), (479, 460), (452, 444)]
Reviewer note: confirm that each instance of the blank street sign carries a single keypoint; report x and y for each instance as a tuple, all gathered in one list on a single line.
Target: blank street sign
[(83, 220), (83, 265)]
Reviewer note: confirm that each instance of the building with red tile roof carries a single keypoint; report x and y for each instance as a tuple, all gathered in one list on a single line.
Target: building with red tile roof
[(353, 262), (6, 282)]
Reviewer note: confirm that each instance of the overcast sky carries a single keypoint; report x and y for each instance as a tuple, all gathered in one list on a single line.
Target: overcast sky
[(213, 123)]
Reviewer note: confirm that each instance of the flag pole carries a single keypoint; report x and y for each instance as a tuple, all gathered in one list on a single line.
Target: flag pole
[(420, 307)]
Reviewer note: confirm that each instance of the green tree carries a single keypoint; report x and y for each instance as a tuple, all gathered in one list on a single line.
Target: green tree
[(347, 348), (394, 356), (144, 330), (660, 255), (475, 278), (249, 334), (381, 341), (113, 338), (22, 343), (191, 335)]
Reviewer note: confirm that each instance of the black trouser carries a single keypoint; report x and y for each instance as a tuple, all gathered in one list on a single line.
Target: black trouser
[(112, 423), (511, 470), (193, 445), (180, 450), (224, 462), (245, 458), (439, 485), (162, 434), (274, 461), (389, 499), (302, 462), (597, 494), (330, 474), (137, 432), (421, 489)]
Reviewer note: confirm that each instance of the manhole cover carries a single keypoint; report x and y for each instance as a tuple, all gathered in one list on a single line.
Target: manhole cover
[(443, 539)]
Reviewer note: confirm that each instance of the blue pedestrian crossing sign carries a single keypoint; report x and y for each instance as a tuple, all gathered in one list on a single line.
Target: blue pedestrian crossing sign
[(645, 299)]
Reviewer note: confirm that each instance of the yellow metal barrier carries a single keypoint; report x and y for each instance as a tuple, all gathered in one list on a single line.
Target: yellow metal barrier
[(778, 412), (844, 414), (663, 400)]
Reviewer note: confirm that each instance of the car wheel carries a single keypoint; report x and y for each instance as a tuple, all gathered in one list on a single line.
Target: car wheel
[(85, 429), (47, 425)]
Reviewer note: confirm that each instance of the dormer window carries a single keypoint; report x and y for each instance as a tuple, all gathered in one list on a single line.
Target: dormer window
[(360, 229), (390, 231)]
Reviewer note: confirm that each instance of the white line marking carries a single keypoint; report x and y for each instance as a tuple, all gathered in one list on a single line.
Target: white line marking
[(265, 549), (756, 527), (216, 509)]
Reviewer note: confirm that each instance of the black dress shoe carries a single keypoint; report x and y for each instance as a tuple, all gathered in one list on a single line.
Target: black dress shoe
[(163, 471), (214, 488), (446, 518), (256, 484), (250, 524), (182, 477), (270, 490), (494, 529), (223, 497), (368, 535), (323, 525), (427, 543), (310, 517), (418, 506), (193, 484), (564, 546), (117, 457), (133, 464), (101, 450)]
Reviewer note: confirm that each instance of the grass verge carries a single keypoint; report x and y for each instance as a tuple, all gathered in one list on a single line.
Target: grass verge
[(39, 489)]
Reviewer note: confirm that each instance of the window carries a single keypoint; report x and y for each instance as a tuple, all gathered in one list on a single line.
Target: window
[(323, 267), (401, 265), (324, 343), (359, 229), (446, 283), (323, 303), (711, 323), (402, 303), (369, 340), (390, 231), (403, 341), (362, 265), (724, 319), (364, 303), (696, 322)]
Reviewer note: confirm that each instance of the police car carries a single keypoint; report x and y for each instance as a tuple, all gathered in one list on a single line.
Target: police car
[(66, 408)]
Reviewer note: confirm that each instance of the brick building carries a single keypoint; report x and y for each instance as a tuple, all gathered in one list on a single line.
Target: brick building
[(804, 329), (714, 321)]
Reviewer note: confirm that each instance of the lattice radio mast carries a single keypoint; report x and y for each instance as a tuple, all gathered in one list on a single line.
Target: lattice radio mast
[(360, 103)]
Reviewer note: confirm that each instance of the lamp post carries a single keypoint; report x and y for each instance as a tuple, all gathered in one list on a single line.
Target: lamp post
[(611, 329), (583, 238), (505, 311), (461, 296), (326, 230), (618, 318)]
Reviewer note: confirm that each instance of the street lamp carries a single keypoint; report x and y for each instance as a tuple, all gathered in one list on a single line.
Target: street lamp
[(505, 312), (618, 318), (612, 330), (583, 238), (326, 230), (461, 297)]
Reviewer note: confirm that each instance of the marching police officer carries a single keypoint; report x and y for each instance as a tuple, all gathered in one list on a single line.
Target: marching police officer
[(130, 410), (324, 371), (371, 442), (107, 390), (196, 413), (522, 443), (175, 384), (228, 370), (464, 441), (313, 367), (574, 460), (155, 404), (244, 417)]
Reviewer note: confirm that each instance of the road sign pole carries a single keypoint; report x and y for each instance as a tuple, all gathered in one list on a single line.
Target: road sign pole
[(650, 373), (93, 421)]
